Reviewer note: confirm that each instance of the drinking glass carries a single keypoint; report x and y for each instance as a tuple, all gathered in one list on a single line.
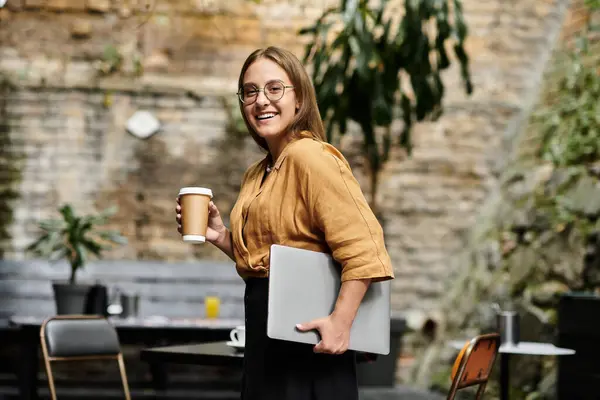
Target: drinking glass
[(212, 304)]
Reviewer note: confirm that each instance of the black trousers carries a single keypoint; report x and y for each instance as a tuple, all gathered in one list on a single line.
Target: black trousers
[(283, 370)]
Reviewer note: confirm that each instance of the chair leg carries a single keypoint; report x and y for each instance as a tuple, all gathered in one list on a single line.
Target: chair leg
[(50, 379), (123, 376), (453, 389), (480, 391)]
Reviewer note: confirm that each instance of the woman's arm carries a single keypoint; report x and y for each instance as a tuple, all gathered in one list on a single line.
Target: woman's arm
[(340, 211), (225, 244), (349, 298), (335, 329)]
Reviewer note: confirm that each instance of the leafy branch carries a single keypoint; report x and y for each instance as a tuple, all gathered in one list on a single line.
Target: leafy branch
[(75, 238), (371, 69)]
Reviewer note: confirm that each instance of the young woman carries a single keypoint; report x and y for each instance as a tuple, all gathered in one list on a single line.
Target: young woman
[(302, 194)]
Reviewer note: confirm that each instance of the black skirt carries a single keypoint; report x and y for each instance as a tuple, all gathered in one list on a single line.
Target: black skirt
[(282, 370)]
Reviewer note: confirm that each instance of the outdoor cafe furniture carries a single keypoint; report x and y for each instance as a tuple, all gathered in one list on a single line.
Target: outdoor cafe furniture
[(522, 348), (210, 354), (474, 363), (207, 354), (149, 331), (72, 338)]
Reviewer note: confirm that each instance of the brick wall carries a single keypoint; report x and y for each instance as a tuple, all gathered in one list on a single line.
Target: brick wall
[(68, 122)]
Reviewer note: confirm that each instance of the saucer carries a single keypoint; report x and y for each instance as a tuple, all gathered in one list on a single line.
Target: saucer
[(236, 345)]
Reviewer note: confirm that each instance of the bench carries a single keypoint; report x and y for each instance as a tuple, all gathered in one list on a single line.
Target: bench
[(165, 289)]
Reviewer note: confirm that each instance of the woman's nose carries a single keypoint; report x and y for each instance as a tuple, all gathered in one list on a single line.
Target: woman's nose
[(262, 99)]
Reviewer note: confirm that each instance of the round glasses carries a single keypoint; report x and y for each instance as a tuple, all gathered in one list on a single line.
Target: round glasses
[(273, 90)]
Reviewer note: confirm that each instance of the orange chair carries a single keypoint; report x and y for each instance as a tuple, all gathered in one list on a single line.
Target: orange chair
[(474, 364)]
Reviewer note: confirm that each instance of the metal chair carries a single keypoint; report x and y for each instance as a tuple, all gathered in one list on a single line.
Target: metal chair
[(474, 363), (80, 338)]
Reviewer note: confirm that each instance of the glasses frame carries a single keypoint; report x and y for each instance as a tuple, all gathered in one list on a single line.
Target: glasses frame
[(240, 92)]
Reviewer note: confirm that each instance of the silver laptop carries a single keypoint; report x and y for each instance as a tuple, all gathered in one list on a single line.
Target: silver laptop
[(304, 284)]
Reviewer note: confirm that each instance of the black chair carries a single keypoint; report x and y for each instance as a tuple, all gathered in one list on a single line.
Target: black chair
[(79, 338)]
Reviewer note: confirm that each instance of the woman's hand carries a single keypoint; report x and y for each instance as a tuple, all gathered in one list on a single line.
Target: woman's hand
[(216, 230), (334, 333)]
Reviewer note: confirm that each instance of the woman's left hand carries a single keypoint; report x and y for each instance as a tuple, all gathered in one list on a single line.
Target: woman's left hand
[(334, 333)]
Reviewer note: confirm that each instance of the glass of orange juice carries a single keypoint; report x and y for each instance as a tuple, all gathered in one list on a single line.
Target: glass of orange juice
[(211, 306)]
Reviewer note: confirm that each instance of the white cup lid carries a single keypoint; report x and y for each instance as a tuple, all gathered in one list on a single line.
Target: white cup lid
[(196, 190)]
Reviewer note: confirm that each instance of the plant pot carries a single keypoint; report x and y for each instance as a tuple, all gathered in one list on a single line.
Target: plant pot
[(70, 298)]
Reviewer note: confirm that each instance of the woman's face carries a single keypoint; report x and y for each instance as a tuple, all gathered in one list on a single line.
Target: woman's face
[(268, 117)]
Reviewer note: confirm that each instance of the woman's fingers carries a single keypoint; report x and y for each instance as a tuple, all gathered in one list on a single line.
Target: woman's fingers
[(178, 215)]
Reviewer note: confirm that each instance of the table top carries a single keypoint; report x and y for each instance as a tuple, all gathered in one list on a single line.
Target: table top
[(525, 348), (147, 322), (214, 353)]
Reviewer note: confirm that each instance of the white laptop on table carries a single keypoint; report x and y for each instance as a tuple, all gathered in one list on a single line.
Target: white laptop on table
[(304, 285)]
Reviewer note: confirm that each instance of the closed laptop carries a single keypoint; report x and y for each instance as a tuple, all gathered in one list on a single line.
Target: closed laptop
[(304, 285)]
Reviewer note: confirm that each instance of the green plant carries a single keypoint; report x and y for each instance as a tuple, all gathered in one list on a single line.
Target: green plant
[(74, 237), (570, 127), (111, 60), (362, 57)]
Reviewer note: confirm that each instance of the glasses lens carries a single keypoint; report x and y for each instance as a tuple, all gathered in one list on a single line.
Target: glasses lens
[(248, 94), (274, 90)]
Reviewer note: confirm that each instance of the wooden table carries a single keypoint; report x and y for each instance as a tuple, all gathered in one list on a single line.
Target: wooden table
[(149, 331)]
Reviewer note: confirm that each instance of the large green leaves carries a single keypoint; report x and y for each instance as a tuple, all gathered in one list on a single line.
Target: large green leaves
[(74, 237), (359, 55)]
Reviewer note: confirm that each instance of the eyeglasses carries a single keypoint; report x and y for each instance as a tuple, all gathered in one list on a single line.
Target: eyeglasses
[(273, 90)]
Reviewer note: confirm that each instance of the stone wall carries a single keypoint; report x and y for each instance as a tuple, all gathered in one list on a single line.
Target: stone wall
[(80, 69), (500, 264)]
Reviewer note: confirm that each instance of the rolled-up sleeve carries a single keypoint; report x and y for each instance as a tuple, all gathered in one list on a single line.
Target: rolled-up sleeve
[(339, 209)]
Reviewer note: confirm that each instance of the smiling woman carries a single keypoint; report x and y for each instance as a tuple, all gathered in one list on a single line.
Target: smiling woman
[(275, 88), (302, 194)]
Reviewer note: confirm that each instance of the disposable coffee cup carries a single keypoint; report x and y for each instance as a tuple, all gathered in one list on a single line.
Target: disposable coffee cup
[(194, 213)]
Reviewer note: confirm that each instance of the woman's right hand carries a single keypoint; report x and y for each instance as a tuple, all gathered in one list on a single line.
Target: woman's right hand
[(216, 230)]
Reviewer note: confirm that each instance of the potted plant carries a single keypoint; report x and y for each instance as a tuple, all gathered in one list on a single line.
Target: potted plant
[(74, 238)]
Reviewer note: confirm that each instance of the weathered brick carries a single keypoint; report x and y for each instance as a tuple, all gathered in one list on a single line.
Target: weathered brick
[(75, 140), (98, 5), (64, 5), (34, 3)]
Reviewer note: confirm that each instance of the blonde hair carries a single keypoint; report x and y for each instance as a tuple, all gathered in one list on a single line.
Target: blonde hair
[(307, 122)]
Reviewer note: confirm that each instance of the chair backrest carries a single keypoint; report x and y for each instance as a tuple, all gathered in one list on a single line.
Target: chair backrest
[(474, 364), (80, 336)]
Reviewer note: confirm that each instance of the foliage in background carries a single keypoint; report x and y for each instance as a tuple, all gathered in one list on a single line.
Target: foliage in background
[(75, 238), (570, 122), (539, 236), (372, 69)]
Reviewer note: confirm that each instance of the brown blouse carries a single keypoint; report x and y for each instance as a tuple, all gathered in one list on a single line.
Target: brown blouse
[(309, 200)]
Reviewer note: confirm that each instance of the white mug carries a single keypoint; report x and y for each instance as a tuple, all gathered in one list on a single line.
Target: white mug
[(238, 335)]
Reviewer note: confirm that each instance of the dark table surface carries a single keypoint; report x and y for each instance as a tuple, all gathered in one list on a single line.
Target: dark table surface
[(149, 331), (214, 353)]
